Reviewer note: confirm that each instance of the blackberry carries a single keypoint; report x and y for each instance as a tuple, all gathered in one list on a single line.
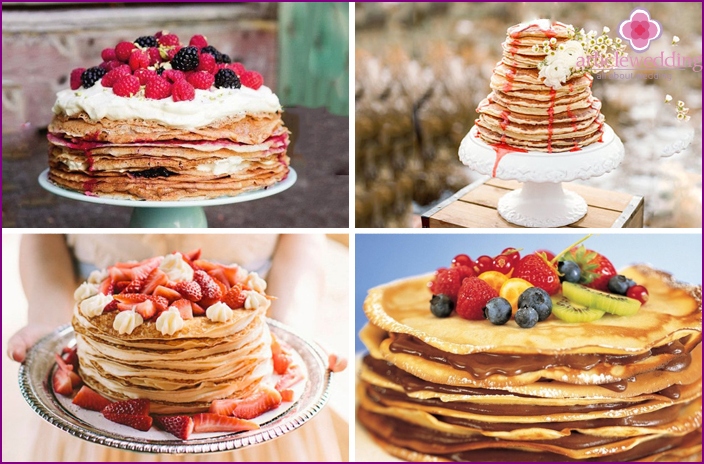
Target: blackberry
[(210, 50), (92, 75), (225, 58), (147, 41), (186, 59), (227, 78), (153, 172)]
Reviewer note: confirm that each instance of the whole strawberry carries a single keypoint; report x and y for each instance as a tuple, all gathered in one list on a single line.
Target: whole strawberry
[(596, 268), (536, 269), (473, 297), (447, 282)]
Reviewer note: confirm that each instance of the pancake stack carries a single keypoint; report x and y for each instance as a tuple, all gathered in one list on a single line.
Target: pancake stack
[(525, 113), (617, 389)]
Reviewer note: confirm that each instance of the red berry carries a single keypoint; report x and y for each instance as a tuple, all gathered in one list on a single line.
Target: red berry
[(173, 75), (113, 76), (123, 50), (183, 91), (157, 88), (536, 270), (548, 254), (206, 62), (638, 292), (447, 282), (159, 34), (76, 78), (251, 79), (173, 51), (108, 54), (465, 271), (126, 86), (514, 255), (473, 297), (201, 80), (238, 68), (484, 263), (154, 56), (139, 59), (462, 260), (198, 41), (169, 40), (110, 65), (504, 264), (145, 75)]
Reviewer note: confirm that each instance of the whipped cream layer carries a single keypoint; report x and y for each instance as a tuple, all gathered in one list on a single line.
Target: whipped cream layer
[(208, 106)]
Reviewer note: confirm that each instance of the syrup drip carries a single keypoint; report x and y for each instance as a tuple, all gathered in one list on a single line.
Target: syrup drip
[(576, 147), (88, 187), (510, 76), (551, 118), (573, 118), (504, 119), (89, 158), (502, 149), (513, 48), (601, 131)]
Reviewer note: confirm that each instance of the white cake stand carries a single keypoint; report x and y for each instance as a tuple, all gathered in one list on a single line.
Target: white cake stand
[(542, 202), (182, 213)]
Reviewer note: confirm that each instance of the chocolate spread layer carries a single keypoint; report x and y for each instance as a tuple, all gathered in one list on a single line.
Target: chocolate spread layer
[(483, 365)]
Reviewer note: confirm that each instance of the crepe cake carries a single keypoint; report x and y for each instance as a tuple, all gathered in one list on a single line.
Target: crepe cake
[(192, 126), (176, 330), (522, 113), (616, 389)]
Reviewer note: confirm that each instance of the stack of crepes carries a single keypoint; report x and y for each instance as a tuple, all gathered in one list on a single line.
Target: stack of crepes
[(617, 389), (524, 112), (222, 143)]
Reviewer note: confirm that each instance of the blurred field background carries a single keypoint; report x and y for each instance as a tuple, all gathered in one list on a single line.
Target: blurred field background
[(422, 68)]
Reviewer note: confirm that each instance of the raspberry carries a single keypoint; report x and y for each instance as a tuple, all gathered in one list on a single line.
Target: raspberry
[(139, 59), (447, 282), (183, 91), (186, 59), (160, 33), (76, 78), (173, 75), (169, 40), (92, 75), (198, 41), (144, 75), (157, 89), (473, 297), (227, 78), (207, 63), (126, 86), (251, 79), (147, 41), (212, 51), (110, 65), (108, 54), (113, 76), (154, 56), (123, 51), (172, 52), (201, 80), (238, 68)]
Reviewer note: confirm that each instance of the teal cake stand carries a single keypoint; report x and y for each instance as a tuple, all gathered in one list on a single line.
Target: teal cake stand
[(184, 213)]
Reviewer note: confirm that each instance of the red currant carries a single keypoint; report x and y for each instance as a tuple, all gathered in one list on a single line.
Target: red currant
[(462, 260), (513, 254), (638, 292), (484, 263), (504, 264)]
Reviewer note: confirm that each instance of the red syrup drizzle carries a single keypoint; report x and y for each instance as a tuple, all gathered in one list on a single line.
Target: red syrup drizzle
[(551, 118), (88, 187), (504, 119), (89, 158), (510, 76), (502, 149), (513, 48)]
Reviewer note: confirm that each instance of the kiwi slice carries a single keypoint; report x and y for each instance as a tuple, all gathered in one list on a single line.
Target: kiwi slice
[(567, 311), (609, 302)]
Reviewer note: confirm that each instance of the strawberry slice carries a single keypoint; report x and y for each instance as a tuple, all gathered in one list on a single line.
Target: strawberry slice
[(189, 290), (286, 395), (204, 265), (219, 276), (134, 286), (70, 356), (120, 275), (88, 399), (169, 294), (133, 299), (121, 286), (193, 254), (197, 309), (146, 309), (210, 289), (231, 274), (62, 383), (184, 308), (266, 400), (207, 422), (136, 407), (128, 265), (68, 368), (293, 375), (106, 286), (142, 423), (223, 407), (179, 426), (112, 306), (235, 297), (281, 362), (155, 278)]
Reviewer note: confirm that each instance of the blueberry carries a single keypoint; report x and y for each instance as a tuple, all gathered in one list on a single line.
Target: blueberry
[(538, 300), (498, 310), (526, 317), (618, 284), (441, 305), (631, 283), (569, 271)]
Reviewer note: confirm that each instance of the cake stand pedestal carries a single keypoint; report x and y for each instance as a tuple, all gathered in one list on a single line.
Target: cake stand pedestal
[(184, 213), (542, 202)]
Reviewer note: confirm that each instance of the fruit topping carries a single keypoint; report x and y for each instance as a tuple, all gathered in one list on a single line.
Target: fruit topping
[(198, 41), (569, 271), (76, 78), (139, 59), (512, 289), (135, 407), (462, 260), (142, 423), (201, 80), (88, 399), (611, 303), (287, 395), (251, 79), (537, 270), (568, 311), (183, 91), (179, 426), (638, 292), (596, 269), (147, 41), (228, 79), (484, 263), (441, 305), (169, 40), (281, 362), (447, 282), (293, 375), (123, 50), (537, 299), (108, 54), (210, 289), (208, 422), (264, 400), (126, 86), (65, 379), (184, 308), (495, 279), (168, 293), (189, 290), (618, 284), (498, 311), (473, 297), (235, 297), (92, 75), (526, 317), (186, 59)]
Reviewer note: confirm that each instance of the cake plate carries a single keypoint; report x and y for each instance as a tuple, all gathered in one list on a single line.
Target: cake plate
[(182, 213), (542, 202), (36, 372)]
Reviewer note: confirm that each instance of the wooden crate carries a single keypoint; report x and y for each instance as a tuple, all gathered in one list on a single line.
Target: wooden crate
[(475, 206)]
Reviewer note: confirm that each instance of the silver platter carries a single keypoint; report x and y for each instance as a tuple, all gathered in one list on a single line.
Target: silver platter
[(35, 384)]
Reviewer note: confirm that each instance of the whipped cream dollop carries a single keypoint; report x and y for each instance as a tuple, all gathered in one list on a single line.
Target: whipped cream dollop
[(170, 321), (229, 165), (85, 290), (93, 306), (208, 106), (126, 321), (219, 312), (97, 276), (255, 300), (559, 67), (255, 282), (175, 268)]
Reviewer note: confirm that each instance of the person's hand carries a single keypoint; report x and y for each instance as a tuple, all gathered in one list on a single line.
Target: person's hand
[(336, 363), (22, 341)]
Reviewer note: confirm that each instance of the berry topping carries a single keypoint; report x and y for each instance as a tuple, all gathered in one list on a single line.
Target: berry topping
[(184, 308), (447, 282), (169, 40), (183, 91), (173, 51), (569, 271), (157, 89), (186, 59), (498, 311), (154, 56), (65, 379), (251, 79), (265, 400), (207, 63), (281, 362), (88, 399), (168, 293), (144, 75), (462, 260), (137, 407), (189, 290), (292, 376), (441, 305), (484, 263), (126, 86), (212, 51), (208, 422), (92, 75), (114, 75), (155, 278), (618, 284), (228, 79), (173, 75), (208, 286), (76, 78), (526, 317), (139, 59), (473, 297), (503, 264), (147, 41), (108, 54), (198, 41), (142, 423), (538, 271), (512, 289), (130, 300), (238, 68), (112, 306), (179, 426), (123, 50), (537, 299), (201, 80), (596, 269), (638, 292), (495, 279), (235, 298)]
